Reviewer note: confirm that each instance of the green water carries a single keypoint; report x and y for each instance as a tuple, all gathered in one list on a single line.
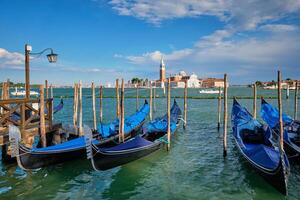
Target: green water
[(193, 169)]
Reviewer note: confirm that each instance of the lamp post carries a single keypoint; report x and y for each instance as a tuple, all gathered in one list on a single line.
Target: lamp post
[(52, 58)]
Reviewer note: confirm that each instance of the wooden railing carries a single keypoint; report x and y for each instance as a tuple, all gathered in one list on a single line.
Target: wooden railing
[(21, 113)]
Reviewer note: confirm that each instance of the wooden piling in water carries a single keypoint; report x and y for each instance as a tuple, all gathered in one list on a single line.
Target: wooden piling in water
[(280, 110), (287, 91), (42, 117), (185, 104), (164, 88), (123, 110), (169, 114), (80, 109), (154, 99), (225, 118), (94, 106), (296, 102), (47, 91), (150, 102), (137, 97), (101, 103), (254, 100), (75, 107), (219, 109), (51, 91), (117, 98)]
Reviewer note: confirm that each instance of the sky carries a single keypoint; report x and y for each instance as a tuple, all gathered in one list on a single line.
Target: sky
[(101, 40)]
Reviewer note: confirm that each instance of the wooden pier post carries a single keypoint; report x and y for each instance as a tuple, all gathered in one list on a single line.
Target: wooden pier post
[(7, 89), (47, 91), (164, 88), (123, 110), (254, 100), (169, 114), (94, 106), (101, 103), (80, 109), (154, 99), (75, 107), (42, 117), (219, 109), (150, 103), (280, 111), (51, 91), (137, 97), (296, 102), (287, 91), (225, 118), (185, 104), (118, 99)]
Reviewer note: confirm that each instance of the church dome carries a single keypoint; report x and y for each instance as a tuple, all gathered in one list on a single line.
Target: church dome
[(182, 73)]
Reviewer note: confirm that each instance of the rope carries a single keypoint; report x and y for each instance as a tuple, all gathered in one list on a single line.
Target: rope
[(182, 119), (163, 140)]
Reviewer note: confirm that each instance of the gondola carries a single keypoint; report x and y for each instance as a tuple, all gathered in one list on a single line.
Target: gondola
[(153, 137), (258, 145), (35, 158), (291, 134)]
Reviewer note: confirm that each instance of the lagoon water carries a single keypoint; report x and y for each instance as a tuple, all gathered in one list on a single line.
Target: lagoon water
[(193, 169)]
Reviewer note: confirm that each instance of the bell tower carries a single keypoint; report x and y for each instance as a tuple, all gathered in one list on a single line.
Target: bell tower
[(162, 74)]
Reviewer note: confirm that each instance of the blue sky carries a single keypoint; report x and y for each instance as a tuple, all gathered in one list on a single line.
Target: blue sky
[(101, 40)]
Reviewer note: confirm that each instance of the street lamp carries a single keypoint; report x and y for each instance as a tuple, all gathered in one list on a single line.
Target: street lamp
[(52, 58)]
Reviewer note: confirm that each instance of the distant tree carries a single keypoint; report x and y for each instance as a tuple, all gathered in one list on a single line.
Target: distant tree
[(258, 83)]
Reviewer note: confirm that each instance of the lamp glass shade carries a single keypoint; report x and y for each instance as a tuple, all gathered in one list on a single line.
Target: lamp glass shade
[(52, 57)]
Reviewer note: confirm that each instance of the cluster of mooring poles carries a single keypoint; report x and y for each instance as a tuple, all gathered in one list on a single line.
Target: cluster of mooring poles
[(120, 107), (279, 98)]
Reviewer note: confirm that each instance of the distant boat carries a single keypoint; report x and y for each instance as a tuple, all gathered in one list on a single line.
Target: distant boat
[(209, 91), (23, 92)]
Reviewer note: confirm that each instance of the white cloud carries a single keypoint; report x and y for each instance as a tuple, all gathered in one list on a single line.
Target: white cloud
[(246, 14), (278, 27), (218, 52), (10, 59)]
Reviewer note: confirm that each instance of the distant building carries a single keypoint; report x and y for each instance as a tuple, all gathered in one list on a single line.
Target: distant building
[(213, 83), (291, 84)]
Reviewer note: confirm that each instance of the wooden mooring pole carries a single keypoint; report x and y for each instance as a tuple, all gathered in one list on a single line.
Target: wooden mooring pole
[(137, 97), (296, 102), (47, 91), (80, 109), (150, 102), (164, 88), (225, 118), (169, 115), (154, 99), (185, 104), (280, 111), (219, 109), (118, 99), (287, 91), (123, 109), (75, 107), (101, 103), (42, 117), (94, 106), (254, 100), (51, 91)]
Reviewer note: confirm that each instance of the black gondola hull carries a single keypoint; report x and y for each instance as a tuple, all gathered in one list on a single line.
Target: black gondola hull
[(108, 160), (29, 160)]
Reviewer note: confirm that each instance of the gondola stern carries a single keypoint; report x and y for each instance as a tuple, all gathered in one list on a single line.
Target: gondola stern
[(15, 139), (88, 138)]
